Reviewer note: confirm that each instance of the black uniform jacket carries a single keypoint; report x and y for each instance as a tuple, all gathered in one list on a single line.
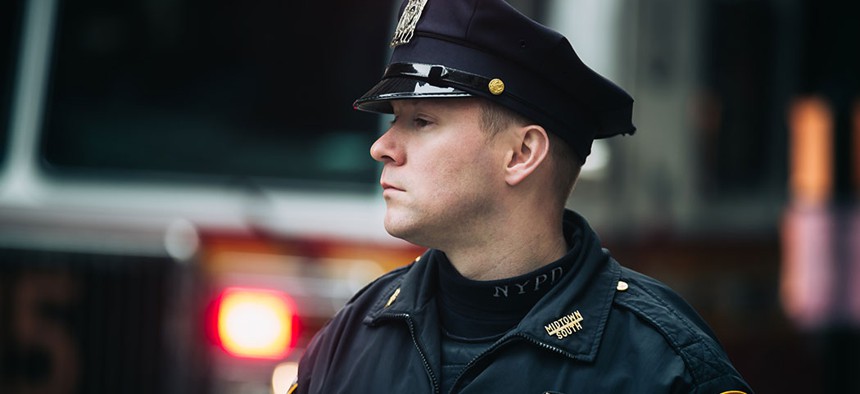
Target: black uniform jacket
[(602, 329)]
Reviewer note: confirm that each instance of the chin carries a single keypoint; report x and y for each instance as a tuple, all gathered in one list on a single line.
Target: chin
[(398, 230), (409, 232)]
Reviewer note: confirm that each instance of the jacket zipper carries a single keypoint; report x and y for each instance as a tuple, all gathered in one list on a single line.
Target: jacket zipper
[(497, 345), (408, 319)]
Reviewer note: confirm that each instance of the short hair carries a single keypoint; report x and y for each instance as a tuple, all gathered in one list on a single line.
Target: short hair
[(495, 118)]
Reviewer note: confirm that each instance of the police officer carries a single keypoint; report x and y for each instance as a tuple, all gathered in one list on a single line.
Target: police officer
[(493, 116)]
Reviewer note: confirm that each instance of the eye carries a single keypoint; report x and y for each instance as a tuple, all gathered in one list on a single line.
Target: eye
[(421, 122), (416, 121)]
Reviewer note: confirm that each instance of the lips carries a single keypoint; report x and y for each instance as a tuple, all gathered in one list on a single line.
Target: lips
[(388, 186)]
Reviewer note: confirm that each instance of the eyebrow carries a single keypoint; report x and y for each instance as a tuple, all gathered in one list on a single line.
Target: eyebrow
[(432, 102)]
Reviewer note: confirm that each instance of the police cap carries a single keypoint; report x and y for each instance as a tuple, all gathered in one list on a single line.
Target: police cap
[(486, 48)]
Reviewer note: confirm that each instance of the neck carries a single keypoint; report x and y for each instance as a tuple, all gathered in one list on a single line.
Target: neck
[(509, 247)]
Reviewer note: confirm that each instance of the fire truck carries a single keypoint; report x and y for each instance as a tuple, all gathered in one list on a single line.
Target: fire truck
[(186, 194)]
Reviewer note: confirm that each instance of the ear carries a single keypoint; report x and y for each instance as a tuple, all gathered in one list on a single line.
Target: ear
[(531, 149)]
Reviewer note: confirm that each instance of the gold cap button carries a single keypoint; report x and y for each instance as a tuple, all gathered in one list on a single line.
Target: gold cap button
[(496, 86), (622, 286)]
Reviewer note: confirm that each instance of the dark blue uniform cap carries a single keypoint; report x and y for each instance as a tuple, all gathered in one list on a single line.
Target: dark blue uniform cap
[(486, 48)]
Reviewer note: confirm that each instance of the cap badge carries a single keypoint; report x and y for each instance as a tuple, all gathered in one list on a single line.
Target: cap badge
[(408, 20), (496, 86), (565, 326)]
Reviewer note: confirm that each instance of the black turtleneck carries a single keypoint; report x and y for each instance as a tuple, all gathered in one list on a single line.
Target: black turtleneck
[(479, 309), (474, 314)]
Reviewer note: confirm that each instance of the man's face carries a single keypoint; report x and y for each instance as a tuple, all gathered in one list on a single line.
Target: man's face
[(442, 172)]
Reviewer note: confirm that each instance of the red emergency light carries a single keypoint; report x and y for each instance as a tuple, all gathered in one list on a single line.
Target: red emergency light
[(255, 323)]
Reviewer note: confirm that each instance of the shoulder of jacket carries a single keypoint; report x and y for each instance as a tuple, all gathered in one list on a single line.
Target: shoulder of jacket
[(358, 305), (663, 310)]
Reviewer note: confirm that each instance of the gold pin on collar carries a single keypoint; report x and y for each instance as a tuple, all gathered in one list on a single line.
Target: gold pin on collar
[(565, 326), (392, 298)]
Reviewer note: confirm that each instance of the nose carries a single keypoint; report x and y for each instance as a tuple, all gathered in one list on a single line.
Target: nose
[(386, 150)]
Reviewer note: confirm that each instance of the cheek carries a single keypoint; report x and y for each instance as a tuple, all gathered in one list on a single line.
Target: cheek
[(484, 161), (468, 172), (450, 167)]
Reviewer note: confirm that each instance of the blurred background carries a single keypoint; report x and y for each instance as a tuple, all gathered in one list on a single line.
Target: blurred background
[(186, 193)]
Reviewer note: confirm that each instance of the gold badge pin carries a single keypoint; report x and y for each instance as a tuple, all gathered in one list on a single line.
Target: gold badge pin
[(408, 20), (565, 326), (496, 86), (392, 298)]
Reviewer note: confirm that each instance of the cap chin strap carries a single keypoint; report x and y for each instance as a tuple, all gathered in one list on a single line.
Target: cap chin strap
[(438, 75)]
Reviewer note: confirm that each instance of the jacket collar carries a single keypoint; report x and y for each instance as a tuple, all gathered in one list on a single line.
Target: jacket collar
[(569, 319)]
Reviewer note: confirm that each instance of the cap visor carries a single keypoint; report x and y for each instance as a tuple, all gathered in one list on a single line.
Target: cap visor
[(378, 99)]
